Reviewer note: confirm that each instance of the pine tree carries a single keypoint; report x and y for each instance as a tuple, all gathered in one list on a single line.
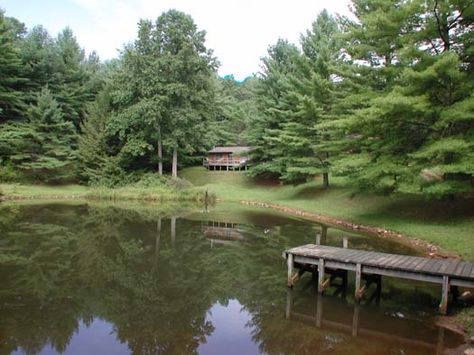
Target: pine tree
[(415, 134), (43, 147), (314, 87), (95, 164), (275, 100), (11, 70)]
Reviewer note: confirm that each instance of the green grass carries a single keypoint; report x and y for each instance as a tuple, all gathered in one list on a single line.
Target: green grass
[(38, 191), (448, 225), (133, 192), (158, 193), (466, 318)]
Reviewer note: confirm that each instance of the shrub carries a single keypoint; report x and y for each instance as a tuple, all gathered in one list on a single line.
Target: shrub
[(9, 174)]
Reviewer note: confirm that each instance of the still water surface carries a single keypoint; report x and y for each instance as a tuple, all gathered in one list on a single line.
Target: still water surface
[(102, 279)]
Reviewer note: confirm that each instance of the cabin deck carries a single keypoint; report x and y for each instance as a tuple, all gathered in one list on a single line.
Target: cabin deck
[(225, 164), (326, 259)]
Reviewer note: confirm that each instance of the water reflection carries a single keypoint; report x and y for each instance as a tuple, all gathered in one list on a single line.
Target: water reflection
[(231, 335), (399, 333), (96, 338), (222, 231), (146, 281)]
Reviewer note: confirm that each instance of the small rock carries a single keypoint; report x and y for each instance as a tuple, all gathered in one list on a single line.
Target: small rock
[(471, 339), (469, 351)]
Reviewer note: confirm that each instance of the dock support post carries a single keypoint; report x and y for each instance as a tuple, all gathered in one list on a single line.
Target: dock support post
[(355, 321), (318, 238), (321, 283), (290, 269), (319, 310), (358, 290), (440, 344), (443, 306), (289, 302), (345, 242)]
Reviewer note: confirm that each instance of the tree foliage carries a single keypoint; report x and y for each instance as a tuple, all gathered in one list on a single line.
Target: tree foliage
[(384, 98), (43, 146)]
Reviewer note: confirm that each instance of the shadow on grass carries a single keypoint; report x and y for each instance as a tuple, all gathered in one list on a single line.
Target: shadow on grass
[(311, 192), (418, 208)]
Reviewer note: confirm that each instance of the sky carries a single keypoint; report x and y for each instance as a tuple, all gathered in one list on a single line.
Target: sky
[(239, 31)]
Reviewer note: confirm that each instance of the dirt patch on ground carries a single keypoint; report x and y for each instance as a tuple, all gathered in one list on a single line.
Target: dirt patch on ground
[(426, 248)]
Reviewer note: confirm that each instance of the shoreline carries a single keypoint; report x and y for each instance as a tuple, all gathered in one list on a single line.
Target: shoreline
[(429, 249)]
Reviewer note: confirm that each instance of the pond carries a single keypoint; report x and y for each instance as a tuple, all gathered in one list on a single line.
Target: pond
[(117, 279)]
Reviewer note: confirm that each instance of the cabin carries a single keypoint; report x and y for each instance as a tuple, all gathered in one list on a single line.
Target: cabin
[(227, 158)]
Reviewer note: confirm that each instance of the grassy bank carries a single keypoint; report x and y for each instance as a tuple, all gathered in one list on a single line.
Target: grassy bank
[(159, 193), (448, 225)]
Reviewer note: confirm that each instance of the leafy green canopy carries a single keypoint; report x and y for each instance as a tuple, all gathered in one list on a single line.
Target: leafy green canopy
[(162, 92)]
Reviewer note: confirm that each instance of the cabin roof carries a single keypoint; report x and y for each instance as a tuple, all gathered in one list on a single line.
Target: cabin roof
[(235, 149)]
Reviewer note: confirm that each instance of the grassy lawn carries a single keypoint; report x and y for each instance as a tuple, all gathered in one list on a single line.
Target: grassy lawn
[(449, 225), (34, 191), (132, 192)]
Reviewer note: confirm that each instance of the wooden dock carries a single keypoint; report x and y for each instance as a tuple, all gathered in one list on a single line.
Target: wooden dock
[(371, 266)]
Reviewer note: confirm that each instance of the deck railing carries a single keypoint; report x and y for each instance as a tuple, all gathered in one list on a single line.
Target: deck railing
[(225, 161)]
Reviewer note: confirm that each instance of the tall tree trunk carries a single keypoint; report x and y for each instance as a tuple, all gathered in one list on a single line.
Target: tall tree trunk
[(325, 180), (174, 168), (160, 153), (326, 174)]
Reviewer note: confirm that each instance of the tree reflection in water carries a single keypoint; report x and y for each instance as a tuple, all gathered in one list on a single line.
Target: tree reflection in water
[(155, 279)]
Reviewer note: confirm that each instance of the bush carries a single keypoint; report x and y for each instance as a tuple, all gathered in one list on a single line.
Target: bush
[(150, 180), (179, 184), (9, 174)]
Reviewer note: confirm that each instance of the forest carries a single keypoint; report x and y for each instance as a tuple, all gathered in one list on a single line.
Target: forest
[(384, 98)]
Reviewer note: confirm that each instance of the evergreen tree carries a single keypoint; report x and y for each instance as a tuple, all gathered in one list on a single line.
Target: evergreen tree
[(415, 134), (290, 144), (315, 89), (71, 77), (275, 100), (43, 146), (236, 110), (96, 165), (11, 71)]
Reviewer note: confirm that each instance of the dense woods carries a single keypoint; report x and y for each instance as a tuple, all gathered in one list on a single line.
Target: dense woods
[(385, 99)]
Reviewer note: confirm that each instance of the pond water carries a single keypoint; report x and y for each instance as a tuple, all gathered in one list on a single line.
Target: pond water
[(108, 279)]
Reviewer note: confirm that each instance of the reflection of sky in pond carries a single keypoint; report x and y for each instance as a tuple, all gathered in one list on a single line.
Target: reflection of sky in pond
[(98, 338), (231, 334)]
